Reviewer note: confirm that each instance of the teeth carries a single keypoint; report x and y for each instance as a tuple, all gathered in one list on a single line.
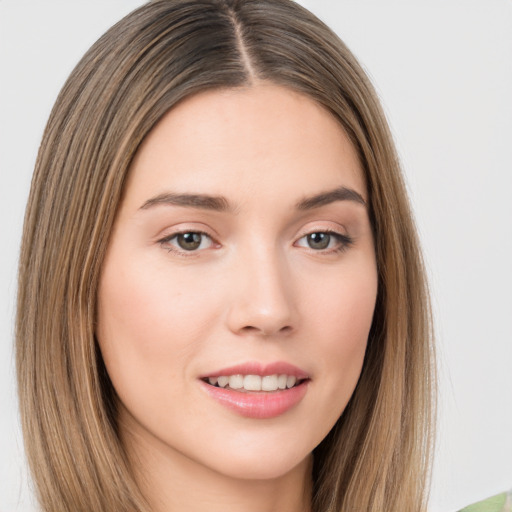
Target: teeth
[(223, 381), (269, 383), (236, 381), (254, 382), (290, 381)]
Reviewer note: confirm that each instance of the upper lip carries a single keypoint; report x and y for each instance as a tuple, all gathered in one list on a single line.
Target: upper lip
[(261, 369)]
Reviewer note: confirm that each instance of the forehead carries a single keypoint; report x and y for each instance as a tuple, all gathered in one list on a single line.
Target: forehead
[(246, 142)]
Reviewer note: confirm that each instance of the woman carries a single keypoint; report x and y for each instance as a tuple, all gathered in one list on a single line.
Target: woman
[(222, 300)]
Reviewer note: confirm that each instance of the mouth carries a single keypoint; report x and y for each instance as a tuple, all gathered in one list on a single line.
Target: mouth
[(258, 391), (253, 383)]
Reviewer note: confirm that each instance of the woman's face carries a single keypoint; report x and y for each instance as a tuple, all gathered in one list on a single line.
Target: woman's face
[(242, 257)]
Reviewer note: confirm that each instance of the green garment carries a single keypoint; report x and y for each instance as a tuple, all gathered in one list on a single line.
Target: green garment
[(499, 503)]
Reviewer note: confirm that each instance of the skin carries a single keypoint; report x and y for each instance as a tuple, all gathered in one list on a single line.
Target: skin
[(254, 290)]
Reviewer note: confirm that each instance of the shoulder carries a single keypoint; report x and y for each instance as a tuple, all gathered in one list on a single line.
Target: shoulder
[(499, 503)]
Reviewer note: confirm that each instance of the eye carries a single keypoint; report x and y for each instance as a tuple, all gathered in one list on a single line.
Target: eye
[(318, 240), (328, 241), (187, 241)]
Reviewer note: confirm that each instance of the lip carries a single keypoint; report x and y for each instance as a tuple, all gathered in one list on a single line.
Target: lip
[(255, 368), (258, 404)]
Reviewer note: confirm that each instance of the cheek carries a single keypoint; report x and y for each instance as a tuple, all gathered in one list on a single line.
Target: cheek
[(149, 330), (149, 324), (342, 317), (343, 306)]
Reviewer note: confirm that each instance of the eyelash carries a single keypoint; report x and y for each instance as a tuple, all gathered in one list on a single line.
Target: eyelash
[(344, 242), (165, 242)]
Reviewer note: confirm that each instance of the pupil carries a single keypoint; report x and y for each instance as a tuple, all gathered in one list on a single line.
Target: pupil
[(189, 241), (319, 240)]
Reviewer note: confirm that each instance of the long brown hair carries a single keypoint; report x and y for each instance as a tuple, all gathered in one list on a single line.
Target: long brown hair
[(376, 458)]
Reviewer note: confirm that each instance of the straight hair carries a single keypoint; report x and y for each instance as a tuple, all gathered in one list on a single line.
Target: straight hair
[(377, 456)]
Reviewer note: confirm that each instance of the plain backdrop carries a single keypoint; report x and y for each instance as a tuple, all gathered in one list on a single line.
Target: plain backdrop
[(443, 70)]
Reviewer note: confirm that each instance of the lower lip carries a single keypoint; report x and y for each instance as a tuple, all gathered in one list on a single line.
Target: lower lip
[(259, 404)]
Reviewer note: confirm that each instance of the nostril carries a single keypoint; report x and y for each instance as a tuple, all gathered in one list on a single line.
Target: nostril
[(250, 328), (266, 332)]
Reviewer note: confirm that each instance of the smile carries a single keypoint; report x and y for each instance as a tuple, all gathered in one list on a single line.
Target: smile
[(255, 382), (257, 391)]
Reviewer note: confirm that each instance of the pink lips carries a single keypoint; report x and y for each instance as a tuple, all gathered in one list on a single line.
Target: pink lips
[(254, 368), (259, 404)]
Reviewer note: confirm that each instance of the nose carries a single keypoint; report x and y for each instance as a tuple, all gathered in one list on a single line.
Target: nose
[(263, 302)]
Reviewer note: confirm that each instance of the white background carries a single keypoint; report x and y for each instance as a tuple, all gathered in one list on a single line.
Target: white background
[(443, 69)]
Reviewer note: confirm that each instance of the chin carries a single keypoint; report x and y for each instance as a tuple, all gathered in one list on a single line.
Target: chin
[(272, 467), (262, 458)]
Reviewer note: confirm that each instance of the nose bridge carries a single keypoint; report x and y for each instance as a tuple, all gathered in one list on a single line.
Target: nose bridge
[(263, 301)]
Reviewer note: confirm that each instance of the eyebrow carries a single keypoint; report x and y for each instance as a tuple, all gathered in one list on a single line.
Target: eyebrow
[(330, 196), (221, 204), (201, 201)]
